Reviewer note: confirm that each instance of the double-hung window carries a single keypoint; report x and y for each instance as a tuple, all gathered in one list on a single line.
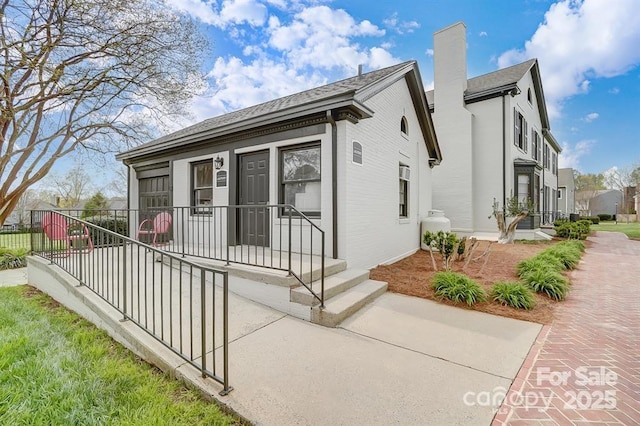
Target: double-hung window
[(536, 148), (520, 136), (202, 186), (300, 178), (404, 191)]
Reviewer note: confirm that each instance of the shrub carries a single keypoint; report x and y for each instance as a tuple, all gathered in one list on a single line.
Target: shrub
[(514, 294), (13, 258), (538, 262), (603, 216), (101, 239), (548, 282), (447, 243), (573, 230), (593, 219), (561, 221), (458, 288)]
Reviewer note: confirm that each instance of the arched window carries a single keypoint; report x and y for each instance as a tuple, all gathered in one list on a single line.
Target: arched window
[(529, 95), (403, 126)]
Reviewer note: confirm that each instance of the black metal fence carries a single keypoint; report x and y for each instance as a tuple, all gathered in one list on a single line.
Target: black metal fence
[(183, 305), (15, 237)]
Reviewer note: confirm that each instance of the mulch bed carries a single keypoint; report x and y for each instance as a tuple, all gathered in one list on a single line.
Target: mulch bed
[(413, 275)]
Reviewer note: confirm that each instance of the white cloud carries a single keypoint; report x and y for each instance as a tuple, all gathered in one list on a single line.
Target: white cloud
[(570, 155), (239, 85), (401, 27), (322, 37), (232, 11), (591, 116), (240, 11), (483, 34), (429, 52), (284, 53), (581, 40), (614, 91)]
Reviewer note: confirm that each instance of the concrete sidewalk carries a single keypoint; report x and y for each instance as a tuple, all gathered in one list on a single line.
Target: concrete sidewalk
[(399, 360)]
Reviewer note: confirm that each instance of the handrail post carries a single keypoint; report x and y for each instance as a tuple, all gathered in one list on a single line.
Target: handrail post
[(124, 280), (289, 248), (322, 274), (228, 232), (225, 344), (203, 323)]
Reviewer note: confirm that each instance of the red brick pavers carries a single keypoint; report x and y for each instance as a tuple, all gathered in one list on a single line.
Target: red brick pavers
[(584, 368)]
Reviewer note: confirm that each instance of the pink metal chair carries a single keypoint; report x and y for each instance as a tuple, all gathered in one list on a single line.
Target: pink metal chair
[(56, 228), (160, 225)]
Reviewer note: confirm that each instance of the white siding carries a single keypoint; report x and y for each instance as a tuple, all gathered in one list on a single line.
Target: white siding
[(370, 229)]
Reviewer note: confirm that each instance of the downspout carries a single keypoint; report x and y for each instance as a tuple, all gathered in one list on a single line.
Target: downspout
[(334, 182), (504, 156)]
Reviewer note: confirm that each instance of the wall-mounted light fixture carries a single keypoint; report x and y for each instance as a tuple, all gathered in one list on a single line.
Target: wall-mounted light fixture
[(218, 162), (515, 91)]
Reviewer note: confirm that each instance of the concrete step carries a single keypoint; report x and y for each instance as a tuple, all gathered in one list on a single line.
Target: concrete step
[(340, 307), (333, 285), (272, 276)]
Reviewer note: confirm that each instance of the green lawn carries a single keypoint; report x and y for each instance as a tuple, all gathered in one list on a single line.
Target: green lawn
[(58, 369), (14, 241), (631, 229)]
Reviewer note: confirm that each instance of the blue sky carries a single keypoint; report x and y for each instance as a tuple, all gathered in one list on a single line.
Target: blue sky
[(587, 49)]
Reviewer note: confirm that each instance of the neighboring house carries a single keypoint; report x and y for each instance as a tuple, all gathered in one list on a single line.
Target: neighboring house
[(356, 156), (593, 203), (566, 192), (496, 141)]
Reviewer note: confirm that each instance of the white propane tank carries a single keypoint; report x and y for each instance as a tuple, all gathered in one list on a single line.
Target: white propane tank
[(434, 222)]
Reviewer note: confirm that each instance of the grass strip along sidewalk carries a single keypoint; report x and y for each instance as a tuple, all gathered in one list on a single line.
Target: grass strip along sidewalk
[(58, 369)]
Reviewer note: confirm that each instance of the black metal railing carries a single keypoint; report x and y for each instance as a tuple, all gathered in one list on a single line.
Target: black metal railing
[(548, 217), (181, 304), (277, 237)]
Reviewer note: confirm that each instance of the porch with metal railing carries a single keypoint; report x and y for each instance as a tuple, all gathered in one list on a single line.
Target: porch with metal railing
[(181, 304), (273, 237)]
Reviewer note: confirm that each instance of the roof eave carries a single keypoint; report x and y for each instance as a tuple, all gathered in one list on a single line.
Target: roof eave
[(552, 140), (489, 93), (291, 113)]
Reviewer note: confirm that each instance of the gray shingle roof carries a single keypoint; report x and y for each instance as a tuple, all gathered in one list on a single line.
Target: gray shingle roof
[(347, 87), (494, 80), (499, 78)]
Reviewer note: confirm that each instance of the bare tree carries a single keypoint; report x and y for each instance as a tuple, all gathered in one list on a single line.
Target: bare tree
[(622, 179), (586, 187), (23, 205), (72, 187), (96, 74)]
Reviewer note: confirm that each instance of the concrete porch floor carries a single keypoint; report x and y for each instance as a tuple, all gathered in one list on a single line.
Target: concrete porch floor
[(399, 360)]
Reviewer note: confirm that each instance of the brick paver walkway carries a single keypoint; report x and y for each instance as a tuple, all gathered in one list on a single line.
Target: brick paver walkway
[(584, 369)]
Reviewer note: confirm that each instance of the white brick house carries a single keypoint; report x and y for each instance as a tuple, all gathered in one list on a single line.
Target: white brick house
[(356, 156), (496, 140)]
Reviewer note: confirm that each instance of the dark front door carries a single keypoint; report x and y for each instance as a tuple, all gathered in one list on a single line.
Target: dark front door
[(254, 192), (155, 197)]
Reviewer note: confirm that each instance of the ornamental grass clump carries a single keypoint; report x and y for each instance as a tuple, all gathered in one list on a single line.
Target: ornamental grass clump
[(537, 263), (13, 258), (514, 294), (458, 288), (548, 282)]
